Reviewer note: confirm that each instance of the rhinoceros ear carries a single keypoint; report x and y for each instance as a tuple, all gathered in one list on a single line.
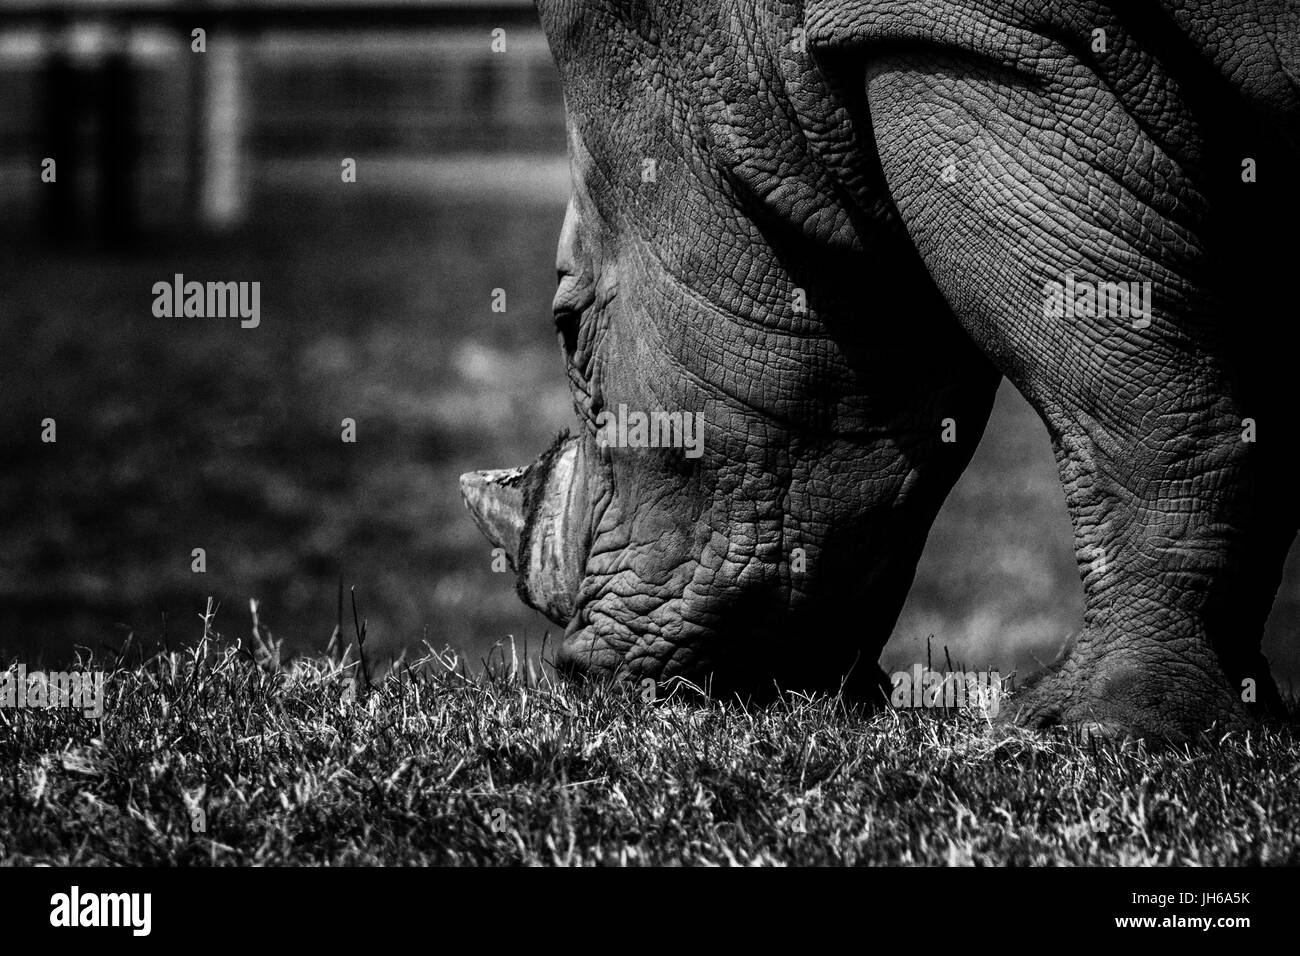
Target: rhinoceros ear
[(495, 500)]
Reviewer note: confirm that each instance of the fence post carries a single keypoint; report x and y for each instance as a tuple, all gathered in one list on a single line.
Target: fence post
[(223, 105), (118, 145), (58, 136)]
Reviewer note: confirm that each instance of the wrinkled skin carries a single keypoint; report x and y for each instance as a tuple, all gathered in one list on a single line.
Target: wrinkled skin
[(919, 170)]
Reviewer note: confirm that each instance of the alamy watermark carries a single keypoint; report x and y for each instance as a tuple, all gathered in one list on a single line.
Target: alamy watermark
[(977, 691), (47, 690), (655, 429), (1084, 299), (209, 300), (129, 910)]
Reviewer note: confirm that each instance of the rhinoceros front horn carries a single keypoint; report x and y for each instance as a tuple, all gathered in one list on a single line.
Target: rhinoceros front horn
[(535, 513), (495, 500)]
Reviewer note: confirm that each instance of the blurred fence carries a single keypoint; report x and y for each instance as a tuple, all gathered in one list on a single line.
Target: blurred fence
[(147, 130)]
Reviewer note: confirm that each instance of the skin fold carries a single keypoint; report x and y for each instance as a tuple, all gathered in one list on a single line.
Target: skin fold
[(827, 230)]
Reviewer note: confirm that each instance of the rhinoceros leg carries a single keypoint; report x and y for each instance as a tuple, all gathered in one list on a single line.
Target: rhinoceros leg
[(1171, 422)]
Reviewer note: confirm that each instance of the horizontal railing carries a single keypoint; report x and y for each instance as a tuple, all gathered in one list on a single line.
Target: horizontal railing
[(216, 157)]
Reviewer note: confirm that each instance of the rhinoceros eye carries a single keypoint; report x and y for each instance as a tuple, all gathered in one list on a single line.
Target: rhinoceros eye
[(573, 296), (566, 324)]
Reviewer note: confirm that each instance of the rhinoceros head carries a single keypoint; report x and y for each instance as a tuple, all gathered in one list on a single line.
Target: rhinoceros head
[(759, 365)]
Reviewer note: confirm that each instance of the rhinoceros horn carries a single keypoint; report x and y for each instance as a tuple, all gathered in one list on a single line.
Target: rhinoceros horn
[(534, 513), (495, 500)]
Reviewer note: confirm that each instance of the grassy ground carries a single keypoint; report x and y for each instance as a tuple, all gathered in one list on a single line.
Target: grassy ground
[(208, 756)]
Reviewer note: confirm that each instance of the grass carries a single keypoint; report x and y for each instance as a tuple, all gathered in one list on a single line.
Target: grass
[(221, 755)]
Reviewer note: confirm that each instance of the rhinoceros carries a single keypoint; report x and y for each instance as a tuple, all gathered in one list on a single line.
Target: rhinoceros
[(825, 230)]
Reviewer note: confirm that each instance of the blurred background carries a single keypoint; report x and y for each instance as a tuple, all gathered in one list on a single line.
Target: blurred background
[(376, 305)]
